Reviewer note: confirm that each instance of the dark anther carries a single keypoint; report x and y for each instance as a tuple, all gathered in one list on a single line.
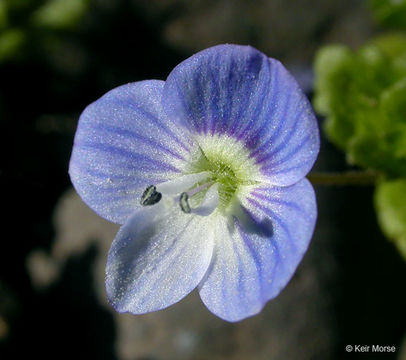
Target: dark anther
[(150, 196), (183, 201)]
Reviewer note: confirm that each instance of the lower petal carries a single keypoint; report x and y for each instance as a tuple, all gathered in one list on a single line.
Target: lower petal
[(157, 258), (251, 267)]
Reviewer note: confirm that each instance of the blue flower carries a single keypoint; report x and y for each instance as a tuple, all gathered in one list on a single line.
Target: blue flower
[(206, 173)]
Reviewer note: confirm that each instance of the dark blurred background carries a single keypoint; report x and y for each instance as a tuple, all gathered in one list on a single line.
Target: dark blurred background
[(56, 57)]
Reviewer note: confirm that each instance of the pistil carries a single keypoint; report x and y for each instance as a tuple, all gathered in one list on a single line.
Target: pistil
[(184, 197)]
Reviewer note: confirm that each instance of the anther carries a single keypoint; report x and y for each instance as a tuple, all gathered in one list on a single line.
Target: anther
[(184, 204), (150, 196)]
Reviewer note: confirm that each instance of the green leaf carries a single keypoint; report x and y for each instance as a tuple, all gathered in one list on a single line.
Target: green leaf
[(363, 96), (60, 14), (390, 204), (393, 103), (334, 73)]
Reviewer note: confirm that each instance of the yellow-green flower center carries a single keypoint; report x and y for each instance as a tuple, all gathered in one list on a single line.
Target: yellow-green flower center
[(224, 171)]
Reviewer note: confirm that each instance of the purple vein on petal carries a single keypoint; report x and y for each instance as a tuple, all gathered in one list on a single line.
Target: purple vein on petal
[(289, 204), (276, 254), (187, 105), (255, 258), (167, 253), (287, 170), (275, 217), (141, 180), (268, 199), (274, 134), (239, 266), (179, 252), (241, 106), (252, 141), (228, 105), (164, 255), (213, 113), (282, 143), (102, 175), (241, 113), (127, 154), (130, 135), (197, 115), (217, 116), (160, 124), (251, 138), (278, 257), (287, 156)]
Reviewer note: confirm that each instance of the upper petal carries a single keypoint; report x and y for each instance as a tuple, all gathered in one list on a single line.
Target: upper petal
[(252, 264), (157, 258), (238, 92), (125, 142)]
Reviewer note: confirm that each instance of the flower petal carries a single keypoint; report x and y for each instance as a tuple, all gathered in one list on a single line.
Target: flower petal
[(125, 142), (250, 267), (238, 92), (157, 258)]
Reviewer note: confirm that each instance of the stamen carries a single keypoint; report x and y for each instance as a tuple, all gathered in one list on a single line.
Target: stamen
[(150, 196), (184, 204)]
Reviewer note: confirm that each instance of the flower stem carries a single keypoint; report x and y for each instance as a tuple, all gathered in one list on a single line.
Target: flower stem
[(344, 178)]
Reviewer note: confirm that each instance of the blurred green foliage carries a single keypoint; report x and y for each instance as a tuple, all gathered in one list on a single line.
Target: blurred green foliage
[(391, 208), (22, 23), (3, 14), (362, 94), (390, 13), (59, 14), (11, 40)]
